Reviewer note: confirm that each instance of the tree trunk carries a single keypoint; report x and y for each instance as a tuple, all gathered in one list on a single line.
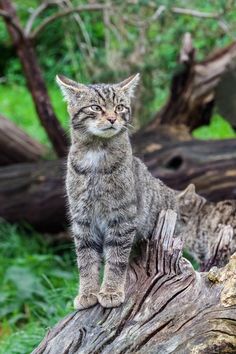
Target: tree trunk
[(169, 308), (35, 81), (34, 193), (16, 146)]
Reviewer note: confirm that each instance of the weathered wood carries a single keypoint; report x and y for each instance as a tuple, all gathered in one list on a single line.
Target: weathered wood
[(210, 165), (169, 308), (26, 53), (221, 249), (34, 193), (17, 146)]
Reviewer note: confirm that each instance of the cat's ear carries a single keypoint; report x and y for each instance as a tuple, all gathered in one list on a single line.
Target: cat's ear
[(128, 85), (187, 192), (69, 87)]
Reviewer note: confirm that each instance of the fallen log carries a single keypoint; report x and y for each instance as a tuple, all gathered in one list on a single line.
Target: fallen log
[(35, 192), (17, 146), (210, 165), (169, 308)]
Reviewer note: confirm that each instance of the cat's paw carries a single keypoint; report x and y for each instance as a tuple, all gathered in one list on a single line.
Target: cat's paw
[(85, 301), (111, 299)]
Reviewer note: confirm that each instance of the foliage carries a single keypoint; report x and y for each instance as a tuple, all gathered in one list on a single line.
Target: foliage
[(217, 129), (88, 47), (37, 283), (17, 104)]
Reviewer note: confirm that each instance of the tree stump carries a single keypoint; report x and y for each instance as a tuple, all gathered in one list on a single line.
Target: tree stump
[(169, 308)]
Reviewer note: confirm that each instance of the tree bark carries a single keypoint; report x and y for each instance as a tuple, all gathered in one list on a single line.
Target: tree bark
[(34, 193), (210, 165), (35, 81), (16, 146), (169, 308)]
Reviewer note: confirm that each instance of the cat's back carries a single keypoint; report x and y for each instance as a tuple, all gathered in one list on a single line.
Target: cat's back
[(148, 185), (152, 197)]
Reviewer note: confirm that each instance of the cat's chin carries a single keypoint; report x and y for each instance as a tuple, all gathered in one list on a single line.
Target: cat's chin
[(106, 133)]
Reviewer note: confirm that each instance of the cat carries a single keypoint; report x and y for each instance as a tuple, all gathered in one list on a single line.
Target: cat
[(201, 222), (113, 199)]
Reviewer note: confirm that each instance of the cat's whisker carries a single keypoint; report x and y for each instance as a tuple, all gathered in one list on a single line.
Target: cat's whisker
[(130, 125)]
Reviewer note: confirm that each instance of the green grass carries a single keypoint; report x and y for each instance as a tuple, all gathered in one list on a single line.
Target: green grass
[(37, 285), (191, 259), (218, 128), (16, 104)]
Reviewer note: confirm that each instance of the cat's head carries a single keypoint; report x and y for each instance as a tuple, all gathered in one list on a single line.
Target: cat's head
[(190, 202), (101, 110)]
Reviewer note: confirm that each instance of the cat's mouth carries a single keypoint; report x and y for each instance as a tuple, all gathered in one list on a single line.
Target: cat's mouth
[(108, 128), (105, 132)]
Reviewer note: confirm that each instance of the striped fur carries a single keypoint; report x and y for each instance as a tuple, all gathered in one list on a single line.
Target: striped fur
[(112, 196)]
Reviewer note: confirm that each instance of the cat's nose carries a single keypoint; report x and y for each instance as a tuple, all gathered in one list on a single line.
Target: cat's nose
[(111, 119)]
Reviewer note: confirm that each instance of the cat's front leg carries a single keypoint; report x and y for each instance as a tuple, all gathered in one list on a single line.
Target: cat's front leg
[(117, 247), (89, 253)]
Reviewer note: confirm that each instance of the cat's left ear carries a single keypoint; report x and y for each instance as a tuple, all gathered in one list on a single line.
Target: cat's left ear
[(128, 85)]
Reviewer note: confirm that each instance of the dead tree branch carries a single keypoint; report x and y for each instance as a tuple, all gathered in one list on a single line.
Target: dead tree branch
[(50, 19), (36, 13), (195, 13), (9, 19)]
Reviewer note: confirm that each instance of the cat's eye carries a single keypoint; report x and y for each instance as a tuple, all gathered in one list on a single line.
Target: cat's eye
[(120, 108), (96, 108)]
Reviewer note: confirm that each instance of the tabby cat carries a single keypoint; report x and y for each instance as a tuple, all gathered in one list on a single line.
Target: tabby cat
[(202, 220), (112, 196)]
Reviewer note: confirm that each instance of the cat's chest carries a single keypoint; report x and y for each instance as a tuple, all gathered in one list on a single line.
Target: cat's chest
[(98, 175), (93, 161)]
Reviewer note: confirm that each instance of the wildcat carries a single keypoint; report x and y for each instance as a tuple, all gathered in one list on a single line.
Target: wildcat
[(201, 221), (112, 197)]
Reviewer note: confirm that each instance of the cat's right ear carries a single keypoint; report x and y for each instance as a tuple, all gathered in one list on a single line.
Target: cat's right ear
[(128, 85), (189, 191), (70, 88)]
